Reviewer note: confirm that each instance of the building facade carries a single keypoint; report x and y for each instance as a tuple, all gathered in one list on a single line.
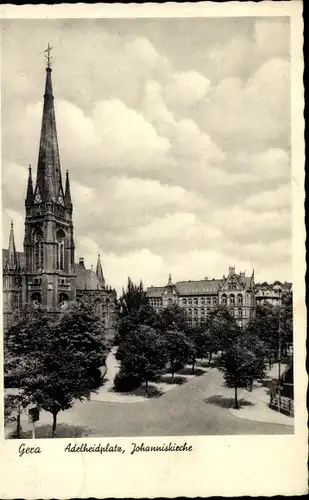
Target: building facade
[(199, 298), (45, 273), (271, 293)]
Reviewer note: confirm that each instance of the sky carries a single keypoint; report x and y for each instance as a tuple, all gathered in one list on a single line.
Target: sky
[(176, 135)]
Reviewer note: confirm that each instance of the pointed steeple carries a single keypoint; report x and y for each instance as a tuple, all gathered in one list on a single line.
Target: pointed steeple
[(29, 197), (12, 261), (99, 271), (170, 282), (67, 195), (48, 181)]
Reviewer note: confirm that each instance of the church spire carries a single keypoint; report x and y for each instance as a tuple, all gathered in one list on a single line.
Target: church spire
[(48, 181), (12, 255), (29, 197), (67, 195), (170, 282), (99, 271)]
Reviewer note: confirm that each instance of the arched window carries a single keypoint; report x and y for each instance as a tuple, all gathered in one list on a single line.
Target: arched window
[(195, 312), (239, 299), (60, 249), (170, 302), (232, 299), (189, 311), (203, 311), (239, 312), (39, 250), (184, 302), (224, 299)]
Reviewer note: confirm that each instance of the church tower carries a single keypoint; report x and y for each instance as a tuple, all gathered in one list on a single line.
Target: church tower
[(49, 275)]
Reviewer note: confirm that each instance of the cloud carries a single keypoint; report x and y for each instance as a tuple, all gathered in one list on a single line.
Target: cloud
[(177, 146), (279, 198)]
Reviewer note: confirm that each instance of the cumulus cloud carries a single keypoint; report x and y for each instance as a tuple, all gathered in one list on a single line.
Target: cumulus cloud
[(178, 149)]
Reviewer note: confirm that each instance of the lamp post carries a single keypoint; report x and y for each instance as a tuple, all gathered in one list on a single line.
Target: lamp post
[(279, 363)]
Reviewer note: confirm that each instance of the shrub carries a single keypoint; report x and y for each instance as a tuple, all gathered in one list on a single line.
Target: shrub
[(125, 382)]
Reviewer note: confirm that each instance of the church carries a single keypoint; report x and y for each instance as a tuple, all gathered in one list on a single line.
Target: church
[(45, 274)]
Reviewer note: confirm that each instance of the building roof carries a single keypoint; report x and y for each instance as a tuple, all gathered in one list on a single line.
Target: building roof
[(20, 257), (202, 287), (155, 291), (86, 279)]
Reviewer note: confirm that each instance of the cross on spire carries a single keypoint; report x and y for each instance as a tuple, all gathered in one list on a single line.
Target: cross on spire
[(49, 48)]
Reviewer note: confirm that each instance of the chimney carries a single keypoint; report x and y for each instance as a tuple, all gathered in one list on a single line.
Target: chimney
[(81, 261)]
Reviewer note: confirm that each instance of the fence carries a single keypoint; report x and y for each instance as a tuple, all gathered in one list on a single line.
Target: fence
[(286, 405)]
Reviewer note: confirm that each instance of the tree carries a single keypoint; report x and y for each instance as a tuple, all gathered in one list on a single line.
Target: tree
[(174, 317), (134, 310), (222, 330), (177, 347), (142, 355), (61, 357), (242, 362)]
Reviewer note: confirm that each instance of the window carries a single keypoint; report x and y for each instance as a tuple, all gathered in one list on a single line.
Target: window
[(195, 312), (224, 299), (239, 312), (232, 299), (203, 301), (239, 299), (202, 311), (214, 300), (60, 250), (184, 302), (39, 250), (190, 311), (190, 301), (195, 302), (208, 301), (170, 302)]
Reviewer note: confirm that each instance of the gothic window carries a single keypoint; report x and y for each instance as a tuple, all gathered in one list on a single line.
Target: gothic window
[(224, 299), (60, 250), (39, 250), (239, 299), (232, 299)]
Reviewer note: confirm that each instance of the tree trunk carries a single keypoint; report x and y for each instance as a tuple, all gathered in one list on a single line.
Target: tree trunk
[(172, 370), (146, 387), (210, 356), (54, 424), (18, 426), (236, 399), (193, 365)]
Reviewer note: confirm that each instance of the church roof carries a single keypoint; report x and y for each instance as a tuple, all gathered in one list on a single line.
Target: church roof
[(20, 258), (86, 279)]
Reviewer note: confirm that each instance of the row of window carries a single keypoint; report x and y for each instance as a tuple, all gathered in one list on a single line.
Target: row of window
[(202, 301), (232, 299), (204, 312)]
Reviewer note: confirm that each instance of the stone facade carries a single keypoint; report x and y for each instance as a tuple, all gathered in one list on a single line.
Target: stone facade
[(45, 273), (198, 298)]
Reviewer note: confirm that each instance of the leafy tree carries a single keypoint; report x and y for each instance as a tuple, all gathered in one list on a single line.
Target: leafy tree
[(134, 310), (61, 357), (177, 347), (222, 330), (242, 362), (197, 343), (142, 355), (174, 317)]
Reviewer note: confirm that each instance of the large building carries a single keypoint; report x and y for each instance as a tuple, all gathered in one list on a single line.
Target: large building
[(45, 273), (198, 298)]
